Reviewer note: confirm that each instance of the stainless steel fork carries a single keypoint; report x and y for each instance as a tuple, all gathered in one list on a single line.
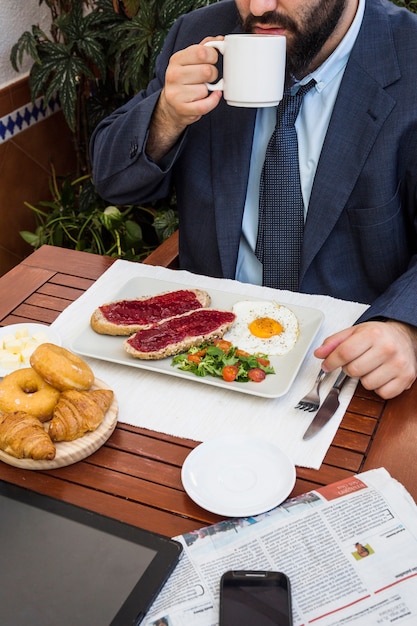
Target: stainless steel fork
[(311, 401)]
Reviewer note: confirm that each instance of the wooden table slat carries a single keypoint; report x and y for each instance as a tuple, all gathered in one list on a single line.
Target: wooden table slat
[(51, 303), (140, 467), (67, 261), (126, 510), (187, 443), (20, 280), (359, 423), (371, 407), (67, 280), (129, 487), (57, 290), (325, 474), (351, 440), (342, 458), (159, 450), (28, 313)]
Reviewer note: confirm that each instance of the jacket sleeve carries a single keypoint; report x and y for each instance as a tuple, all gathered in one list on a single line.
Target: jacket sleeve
[(398, 302), (122, 171)]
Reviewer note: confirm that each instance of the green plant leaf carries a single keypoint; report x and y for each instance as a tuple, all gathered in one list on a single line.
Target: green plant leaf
[(169, 11), (133, 233), (64, 79), (30, 238), (26, 44), (111, 218), (84, 37), (165, 223), (88, 199)]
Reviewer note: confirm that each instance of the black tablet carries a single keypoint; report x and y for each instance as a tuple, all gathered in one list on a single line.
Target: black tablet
[(61, 564)]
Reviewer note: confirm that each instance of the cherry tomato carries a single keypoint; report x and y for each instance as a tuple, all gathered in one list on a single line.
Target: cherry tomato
[(223, 344), (264, 362), (240, 352), (256, 375), (229, 373), (194, 358), (202, 352)]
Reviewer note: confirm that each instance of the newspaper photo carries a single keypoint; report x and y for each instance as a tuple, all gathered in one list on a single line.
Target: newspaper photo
[(349, 550)]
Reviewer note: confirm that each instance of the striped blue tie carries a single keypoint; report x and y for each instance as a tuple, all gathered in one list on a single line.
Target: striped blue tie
[(281, 206)]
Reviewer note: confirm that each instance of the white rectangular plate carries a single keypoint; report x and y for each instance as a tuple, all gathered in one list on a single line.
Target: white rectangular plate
[(108, 348)]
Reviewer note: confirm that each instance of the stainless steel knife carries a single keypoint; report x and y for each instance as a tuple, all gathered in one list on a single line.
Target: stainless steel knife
[(327, 409)]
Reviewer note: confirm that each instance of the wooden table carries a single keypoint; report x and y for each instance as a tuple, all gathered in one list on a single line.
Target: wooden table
[(135, 476)]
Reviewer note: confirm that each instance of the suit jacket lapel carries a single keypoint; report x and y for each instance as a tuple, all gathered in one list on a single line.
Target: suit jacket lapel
[(231, 143), (361, 109)]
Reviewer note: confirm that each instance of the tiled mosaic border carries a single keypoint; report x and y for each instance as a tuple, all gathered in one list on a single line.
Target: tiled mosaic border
[(28, 115)]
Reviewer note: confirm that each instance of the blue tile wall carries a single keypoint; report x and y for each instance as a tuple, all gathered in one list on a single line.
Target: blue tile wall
[(21, 119)]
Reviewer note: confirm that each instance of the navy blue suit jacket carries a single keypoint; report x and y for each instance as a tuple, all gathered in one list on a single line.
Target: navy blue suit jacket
[(360, 240)]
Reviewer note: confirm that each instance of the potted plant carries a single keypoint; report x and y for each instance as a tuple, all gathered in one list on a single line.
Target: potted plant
[(97, 54)]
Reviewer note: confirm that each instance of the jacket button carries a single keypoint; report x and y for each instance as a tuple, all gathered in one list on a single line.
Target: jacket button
[(133, 149)]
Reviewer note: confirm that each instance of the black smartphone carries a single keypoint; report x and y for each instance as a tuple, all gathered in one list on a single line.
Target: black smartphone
[(255, 598)]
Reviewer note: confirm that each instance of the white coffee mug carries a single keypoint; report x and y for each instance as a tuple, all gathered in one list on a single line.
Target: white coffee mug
[(253, 69)]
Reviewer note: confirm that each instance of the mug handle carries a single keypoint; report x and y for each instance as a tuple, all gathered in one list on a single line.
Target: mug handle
[(219, 86)]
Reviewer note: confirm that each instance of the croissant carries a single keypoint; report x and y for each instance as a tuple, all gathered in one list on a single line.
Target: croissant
[(23, 436), (78, 412)]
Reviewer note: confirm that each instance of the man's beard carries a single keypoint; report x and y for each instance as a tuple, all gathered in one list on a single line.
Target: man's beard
[(307, 39)]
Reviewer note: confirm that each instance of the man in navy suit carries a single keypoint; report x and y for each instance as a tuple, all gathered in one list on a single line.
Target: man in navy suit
[(357, 136)]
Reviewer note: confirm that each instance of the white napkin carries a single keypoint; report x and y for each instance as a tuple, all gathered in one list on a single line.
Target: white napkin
[(198, 411)]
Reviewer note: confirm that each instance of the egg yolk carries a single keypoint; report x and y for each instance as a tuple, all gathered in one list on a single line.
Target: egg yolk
[(265, 327)]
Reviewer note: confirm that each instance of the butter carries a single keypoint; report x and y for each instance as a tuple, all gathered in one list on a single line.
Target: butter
[(8, 360), (40, 337), (21, 333), (16, 349), (13, 345)]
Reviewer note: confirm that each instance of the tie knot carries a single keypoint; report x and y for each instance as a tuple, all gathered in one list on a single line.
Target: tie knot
[(289, 106), (305, 88)]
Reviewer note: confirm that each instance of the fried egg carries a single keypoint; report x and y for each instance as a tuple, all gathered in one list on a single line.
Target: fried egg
[(264, 327)]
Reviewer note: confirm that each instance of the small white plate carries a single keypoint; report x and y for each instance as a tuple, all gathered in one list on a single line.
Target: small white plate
[(238, 476), (51, 334)]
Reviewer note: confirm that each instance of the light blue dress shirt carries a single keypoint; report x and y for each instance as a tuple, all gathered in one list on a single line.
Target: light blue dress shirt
[(311, 126)]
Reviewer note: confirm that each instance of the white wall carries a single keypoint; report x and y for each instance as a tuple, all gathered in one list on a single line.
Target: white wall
[(15, 18)]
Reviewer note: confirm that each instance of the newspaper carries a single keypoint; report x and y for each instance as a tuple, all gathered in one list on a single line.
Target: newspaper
[(349, 549)]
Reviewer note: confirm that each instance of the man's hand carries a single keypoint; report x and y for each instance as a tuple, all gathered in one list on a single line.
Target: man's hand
[(185, 97), (382, 354)]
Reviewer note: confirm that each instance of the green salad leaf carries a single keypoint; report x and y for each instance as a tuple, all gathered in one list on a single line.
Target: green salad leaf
[(223, 360)]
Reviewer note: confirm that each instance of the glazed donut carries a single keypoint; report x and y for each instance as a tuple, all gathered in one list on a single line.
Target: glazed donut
[(61, 368), (24, 390)]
